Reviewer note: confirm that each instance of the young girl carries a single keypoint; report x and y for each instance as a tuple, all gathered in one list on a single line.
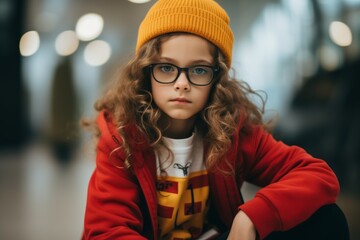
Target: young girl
[(178, 137)]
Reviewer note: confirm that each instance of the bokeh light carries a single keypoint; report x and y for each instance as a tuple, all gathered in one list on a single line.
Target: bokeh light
[(89, 26), (340, 34), (139, 1), (66, 43), (329, 58), (97, 53), (29, 43)]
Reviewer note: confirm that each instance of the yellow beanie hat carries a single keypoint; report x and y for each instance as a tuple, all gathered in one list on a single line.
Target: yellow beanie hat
[(205, 18)]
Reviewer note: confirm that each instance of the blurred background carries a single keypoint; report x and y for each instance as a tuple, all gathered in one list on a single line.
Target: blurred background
[(57, 56)]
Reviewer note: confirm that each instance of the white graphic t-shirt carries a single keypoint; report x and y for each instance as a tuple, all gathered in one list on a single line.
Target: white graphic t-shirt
[(183, 195)]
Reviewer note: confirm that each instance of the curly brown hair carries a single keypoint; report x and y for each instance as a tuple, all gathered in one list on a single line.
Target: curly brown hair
[(129, 100)]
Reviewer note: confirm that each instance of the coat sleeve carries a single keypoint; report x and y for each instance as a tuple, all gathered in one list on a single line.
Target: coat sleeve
[(113, 202), (294, 184)]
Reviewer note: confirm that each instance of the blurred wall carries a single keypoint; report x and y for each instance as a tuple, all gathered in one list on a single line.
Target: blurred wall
[(12, 95)]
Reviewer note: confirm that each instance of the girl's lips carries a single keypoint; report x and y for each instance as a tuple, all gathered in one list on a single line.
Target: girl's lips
[(180, 100)]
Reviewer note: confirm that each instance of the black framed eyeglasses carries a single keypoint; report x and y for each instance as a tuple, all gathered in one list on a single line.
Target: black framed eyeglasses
[(199, 75)]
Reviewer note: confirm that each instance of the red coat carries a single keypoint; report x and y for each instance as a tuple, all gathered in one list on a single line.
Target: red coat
[(123, 205)]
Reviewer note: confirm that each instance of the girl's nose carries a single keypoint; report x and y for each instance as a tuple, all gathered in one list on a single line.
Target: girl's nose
[(182, 83)]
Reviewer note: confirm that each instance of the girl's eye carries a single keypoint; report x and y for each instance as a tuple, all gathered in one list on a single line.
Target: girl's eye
[(199, 71), (166, 68)]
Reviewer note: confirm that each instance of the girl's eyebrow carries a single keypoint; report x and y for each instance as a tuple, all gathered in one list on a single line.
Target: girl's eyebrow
[(190, 63)]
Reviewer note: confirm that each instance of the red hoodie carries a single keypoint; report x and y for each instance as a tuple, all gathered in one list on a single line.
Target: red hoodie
[(123, 204)]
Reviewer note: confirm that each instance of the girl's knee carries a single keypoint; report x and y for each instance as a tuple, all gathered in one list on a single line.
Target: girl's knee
[(327, 223)]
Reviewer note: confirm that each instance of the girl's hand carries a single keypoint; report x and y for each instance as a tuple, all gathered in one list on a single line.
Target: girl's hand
[(242, 228)]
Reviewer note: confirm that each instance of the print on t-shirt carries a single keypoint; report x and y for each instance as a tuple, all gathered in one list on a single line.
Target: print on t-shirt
[(183, 168), (183, 194)]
